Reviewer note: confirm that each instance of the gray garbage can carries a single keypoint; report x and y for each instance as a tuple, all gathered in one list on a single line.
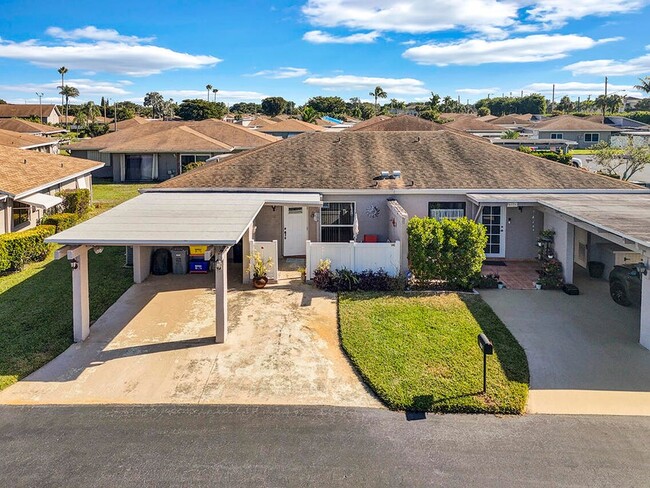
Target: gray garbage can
[(180, 260)]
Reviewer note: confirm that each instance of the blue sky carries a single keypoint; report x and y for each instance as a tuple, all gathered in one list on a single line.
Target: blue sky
[(250, 49)]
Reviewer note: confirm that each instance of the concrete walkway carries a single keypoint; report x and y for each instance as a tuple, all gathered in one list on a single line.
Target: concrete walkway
[(583, 351), (156, 345)]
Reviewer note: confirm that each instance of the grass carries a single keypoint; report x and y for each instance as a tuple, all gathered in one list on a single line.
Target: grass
[(107, 194), (420, 352), (36, 309)]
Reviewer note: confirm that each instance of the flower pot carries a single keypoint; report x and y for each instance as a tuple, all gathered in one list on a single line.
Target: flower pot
[(501, 285), (260, 282), (538, 286)]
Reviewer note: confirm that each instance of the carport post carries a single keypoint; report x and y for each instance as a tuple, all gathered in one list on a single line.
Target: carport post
[(78, 258), (221, 292), (644, 336)]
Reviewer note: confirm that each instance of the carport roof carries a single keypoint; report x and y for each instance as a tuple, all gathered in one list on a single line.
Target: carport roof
[(178, 219), (626, 215)]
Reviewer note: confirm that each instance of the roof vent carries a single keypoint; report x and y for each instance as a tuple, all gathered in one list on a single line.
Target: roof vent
[(397, 173), (24, 161), (385, 174)]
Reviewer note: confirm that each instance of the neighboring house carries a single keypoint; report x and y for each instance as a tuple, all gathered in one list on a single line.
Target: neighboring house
[(27, 141), (557, 145), (29, 182), (619, 122), (28, 127), (512, 121), (256, 123), (399, 123), (158, 150), (476, 126), (289, 128), (48, 113), (127, 123), (370, 121), (568, 127)]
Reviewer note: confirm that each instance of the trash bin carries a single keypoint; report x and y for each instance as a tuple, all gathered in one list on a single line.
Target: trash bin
[(161, 262), (180, 259), (596, 269)]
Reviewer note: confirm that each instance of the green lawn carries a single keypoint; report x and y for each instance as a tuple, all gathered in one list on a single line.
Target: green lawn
[(420, 352), (36, 309), (107, 194)]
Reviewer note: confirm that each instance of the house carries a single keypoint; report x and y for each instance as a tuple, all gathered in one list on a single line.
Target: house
[(370, 121), (29, 182), (619, 122), (512, 121), (476, 126), (289, 128), (127, 123), (158, 150), (47, 113), (568, 127), (348, 197), (27, 141), (556, 145), (398, 123), (28, 127)]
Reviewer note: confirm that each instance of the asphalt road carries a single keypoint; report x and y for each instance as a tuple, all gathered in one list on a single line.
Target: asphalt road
[(314, 446)]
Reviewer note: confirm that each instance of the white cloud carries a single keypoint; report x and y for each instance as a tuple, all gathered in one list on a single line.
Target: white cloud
[(401, 86), (411, 42), (556, 13), (114, 56), (580, 89), (477, 91), (534, 48), (222, 95), (85, 86), (94, 34), (282, 73), (611, 67), (414, 16), (320, 37)]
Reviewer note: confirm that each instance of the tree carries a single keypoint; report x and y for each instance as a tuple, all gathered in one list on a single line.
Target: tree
[(209, 88), (88, 111), (510, 134), (197, 109), (62, 71), (245, 108), (430, 114), (309, 115), (156, 101), (378, 92), (3, 102), (644, 86), (621, 163), (333, 106), (565, 105), (215, 91), (483, 111), (434, 102), (273, 106), (68, 92)]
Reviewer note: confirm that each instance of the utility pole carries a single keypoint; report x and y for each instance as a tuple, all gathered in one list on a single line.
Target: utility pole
[(40, 104), (553, 99), (578, 108), (115, 115), (522, 94), (605, 102)]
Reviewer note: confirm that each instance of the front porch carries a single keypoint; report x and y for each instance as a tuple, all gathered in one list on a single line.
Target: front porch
[(515, 275)]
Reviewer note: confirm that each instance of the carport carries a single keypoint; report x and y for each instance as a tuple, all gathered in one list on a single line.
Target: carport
[(620, 218), (164, 219)]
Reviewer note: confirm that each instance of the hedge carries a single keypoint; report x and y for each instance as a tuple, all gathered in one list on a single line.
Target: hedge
[(447, 250), (76, 201), (61, 221), (19, 248)]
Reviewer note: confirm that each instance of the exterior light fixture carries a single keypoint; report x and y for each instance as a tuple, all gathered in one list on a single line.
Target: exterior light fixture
[(74, 264), (98, 250), (641, 268)]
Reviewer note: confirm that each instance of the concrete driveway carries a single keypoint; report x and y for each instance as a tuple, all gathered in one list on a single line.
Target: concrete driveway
[(156, 345), (583, 351)]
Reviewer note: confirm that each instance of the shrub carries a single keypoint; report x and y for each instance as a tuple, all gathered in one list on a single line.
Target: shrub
[(488, 281), (76, 201), (194, 165), (61, 221), (348, 280), (323, 276), (550, 155), (550, 276), (19, 248), (448, 250)]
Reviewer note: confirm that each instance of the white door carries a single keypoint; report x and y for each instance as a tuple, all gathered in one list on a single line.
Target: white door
[(295, 231), (492, 218), (580, 247)]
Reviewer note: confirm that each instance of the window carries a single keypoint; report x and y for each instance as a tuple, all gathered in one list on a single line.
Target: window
[(139, 167), (337, 221), (557, 135), (592, 137), (446, 210), (20, 214), (191, 159)]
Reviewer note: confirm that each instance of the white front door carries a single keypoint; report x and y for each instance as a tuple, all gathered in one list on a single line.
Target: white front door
[(580, 247), (492, 218), (295, 231)]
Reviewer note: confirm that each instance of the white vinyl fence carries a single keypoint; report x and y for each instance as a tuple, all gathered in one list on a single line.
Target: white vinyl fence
[(268, 249), (356, 256)]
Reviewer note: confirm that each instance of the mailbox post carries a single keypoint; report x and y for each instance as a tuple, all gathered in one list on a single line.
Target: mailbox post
[(487, 348)]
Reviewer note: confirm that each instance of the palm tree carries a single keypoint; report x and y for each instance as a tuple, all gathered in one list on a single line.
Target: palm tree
[(215, 90), (645, 84), (62, 71), (208, 87), (309, 115), (378, 93), (510, 134), (68, 92)]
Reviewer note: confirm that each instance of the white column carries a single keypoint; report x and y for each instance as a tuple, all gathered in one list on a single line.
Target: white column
[(247, 249), (141, 263), (80, 298), (563, 245), (644, 337), (221, 292)]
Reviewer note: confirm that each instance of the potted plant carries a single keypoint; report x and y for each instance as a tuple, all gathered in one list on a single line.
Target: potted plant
[(303, 274), (501, 285), (260, 268), (538, 285)]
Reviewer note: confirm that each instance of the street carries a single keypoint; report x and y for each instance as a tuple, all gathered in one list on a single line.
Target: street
[(314, 446)]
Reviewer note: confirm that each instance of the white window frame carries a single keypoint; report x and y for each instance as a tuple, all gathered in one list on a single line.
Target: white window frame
[(447, 213), (320, 217), (554, 135), (591, 137)]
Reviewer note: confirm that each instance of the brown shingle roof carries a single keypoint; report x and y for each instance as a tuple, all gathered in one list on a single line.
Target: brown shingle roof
[(569, 123), (261, 122), (174, 139), (40, 169), (8, 110), (511, 120), (399, 123), (353, 160), (292, 125), (370, 121), (128, 123), (28, 127), (232, 134), (472, 123), (16, 139)]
